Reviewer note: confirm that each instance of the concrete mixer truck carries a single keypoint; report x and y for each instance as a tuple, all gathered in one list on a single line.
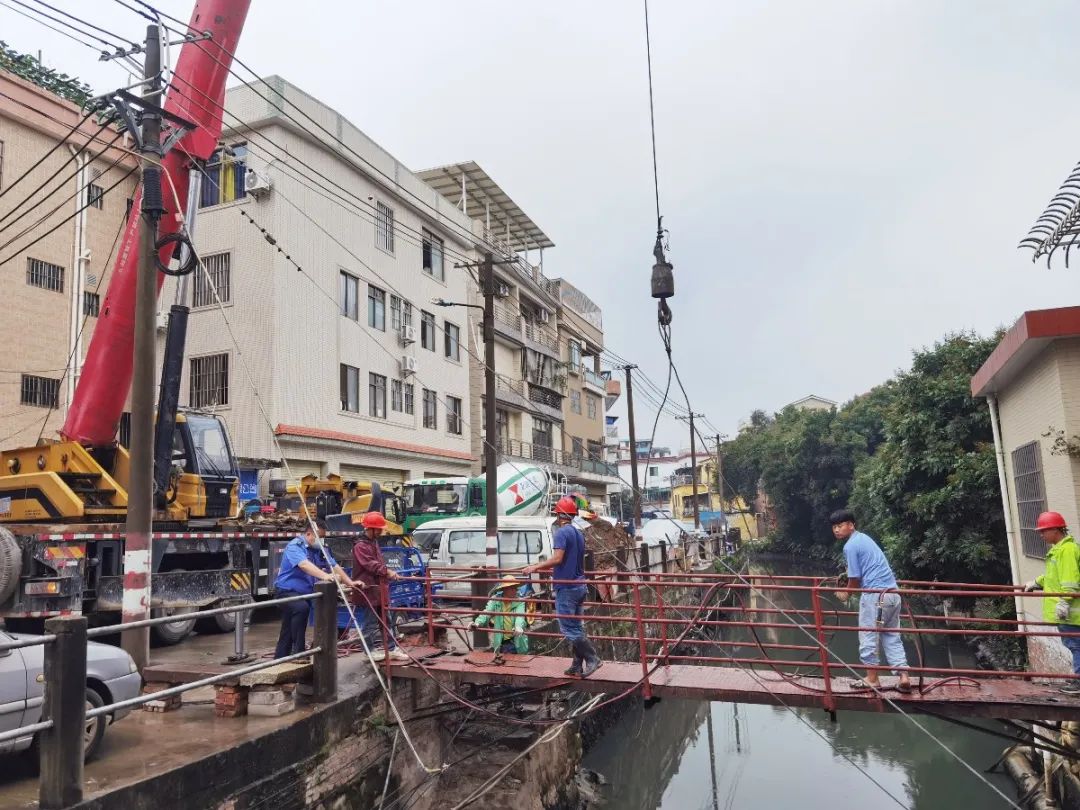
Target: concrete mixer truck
[(522, 490)]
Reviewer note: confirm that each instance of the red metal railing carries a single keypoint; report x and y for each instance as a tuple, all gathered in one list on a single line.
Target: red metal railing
[(661, 614)]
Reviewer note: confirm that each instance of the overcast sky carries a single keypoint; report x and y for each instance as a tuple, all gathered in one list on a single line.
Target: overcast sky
[(843, 181)]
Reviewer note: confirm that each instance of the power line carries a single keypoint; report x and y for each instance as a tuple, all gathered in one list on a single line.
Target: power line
[(652, 116), (60, 31), (44, 157), (82, 22)]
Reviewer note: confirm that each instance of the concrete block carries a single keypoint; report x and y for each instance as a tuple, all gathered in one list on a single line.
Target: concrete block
[(268, 698), (271, 709)]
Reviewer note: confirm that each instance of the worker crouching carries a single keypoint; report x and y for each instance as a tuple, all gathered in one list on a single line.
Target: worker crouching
[(508, 631), (372, 576), (1062, 576)]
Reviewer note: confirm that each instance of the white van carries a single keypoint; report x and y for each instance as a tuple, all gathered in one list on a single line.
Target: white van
[(461, 543)]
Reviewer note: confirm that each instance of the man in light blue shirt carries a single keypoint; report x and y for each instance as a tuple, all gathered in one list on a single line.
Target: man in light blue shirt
[(867, 569)]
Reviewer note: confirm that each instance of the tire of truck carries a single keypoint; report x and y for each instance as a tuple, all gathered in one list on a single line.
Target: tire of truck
[(10, 564), (222, 622), (173, 632)]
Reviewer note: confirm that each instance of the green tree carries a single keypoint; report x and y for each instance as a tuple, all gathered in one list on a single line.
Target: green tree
[(930, 492), (29, 68)]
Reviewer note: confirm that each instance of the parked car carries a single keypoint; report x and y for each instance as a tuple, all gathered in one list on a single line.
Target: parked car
[(111, 676), (461, 543)]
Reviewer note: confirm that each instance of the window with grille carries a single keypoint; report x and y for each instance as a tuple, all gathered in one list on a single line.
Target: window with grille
[(409, 398), (91, 304), (377, 395), (95, 193), (577, 447), (45, 275), (575, 355), (453, 415), (427, 330), (44, 392), (433, 255), (430, 411), (384, 227), (575, 401), (209, 383), (452, 341), (1030, 496), (590, 403), (397, 395), (376, 308), (349, 290), (223, 179), (350, 389), (395, 313), (218, 270)]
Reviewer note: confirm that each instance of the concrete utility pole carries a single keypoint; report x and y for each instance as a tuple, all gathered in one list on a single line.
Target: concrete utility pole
[(693, 464), (136, 600), (491, 433), (633, 448)]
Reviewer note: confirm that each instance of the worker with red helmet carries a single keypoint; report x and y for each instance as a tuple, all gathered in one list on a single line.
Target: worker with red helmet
[(370, 573), (1062, 576), (568, 570)]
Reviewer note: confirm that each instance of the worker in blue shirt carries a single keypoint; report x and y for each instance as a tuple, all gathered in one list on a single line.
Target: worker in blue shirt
[(868, 569), (304, 562), (568, 567)]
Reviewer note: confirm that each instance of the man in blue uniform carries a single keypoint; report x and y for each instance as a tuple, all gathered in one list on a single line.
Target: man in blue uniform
[(867, 569), (568, 567), (304, 562)]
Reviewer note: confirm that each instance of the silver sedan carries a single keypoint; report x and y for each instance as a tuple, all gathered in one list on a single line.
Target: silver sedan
[(111, 676)]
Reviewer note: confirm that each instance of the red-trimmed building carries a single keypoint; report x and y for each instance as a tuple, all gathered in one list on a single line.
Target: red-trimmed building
[(1031, 382)]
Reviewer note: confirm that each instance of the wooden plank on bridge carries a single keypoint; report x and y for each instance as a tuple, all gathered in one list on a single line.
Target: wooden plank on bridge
[(1007, 698)]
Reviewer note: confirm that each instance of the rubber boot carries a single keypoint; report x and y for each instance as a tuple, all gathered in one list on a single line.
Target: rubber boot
[(592, 660), (575, 668)]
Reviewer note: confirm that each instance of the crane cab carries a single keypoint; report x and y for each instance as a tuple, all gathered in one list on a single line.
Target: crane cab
[(205, 480)]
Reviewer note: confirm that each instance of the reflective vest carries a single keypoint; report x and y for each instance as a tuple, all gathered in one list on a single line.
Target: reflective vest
[(1062, 575)]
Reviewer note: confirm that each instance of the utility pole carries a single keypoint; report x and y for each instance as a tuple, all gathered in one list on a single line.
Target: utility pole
[(633, 447), (491, 432), (136, 599), (693, 465)]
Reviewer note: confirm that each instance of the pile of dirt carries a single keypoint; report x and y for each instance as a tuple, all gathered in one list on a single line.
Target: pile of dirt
[(603, 538)]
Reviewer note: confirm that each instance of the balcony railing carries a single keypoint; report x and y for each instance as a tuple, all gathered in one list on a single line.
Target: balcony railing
[(594, 379), (507, 317), (612, 431), (543, 336), (534, 451), (509, 386), (545, 396)]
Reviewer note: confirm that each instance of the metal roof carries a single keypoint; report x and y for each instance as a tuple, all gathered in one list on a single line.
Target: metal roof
[(483, 196)]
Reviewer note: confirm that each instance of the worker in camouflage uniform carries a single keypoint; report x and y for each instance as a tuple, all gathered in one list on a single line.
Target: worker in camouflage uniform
[(508, 632)]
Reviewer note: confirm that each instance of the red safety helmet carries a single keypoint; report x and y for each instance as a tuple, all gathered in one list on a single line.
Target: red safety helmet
[(566, 506), (1050, 520), (373, 520)]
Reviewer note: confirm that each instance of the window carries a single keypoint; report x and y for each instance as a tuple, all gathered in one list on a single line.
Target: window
[(430, 420), (427, 330), (349, 292), (350, 389), (91, 304), (453, 415), (384, 227), (95, 194), (44, 392), (474, 541), (433, 255), (1030, 496), (397, 396), (502, 427), (209, 381), (575, 401), (575, 356), (44, 275), (578, 449), (377, 395), (654, 472), (396, 318), (542, 432), (217, 268), (590, 407), (452, 341), (223, 180), (376, 308), (409, 397)]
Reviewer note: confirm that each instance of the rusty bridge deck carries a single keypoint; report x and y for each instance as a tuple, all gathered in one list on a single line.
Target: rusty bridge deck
[(1006, 698)]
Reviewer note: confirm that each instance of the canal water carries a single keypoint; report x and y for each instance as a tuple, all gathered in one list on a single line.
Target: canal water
[(686, 755)]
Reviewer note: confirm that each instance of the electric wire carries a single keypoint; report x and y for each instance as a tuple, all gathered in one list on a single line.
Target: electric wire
[(652, 116), (7, 4), (29, 170), (84, 23)]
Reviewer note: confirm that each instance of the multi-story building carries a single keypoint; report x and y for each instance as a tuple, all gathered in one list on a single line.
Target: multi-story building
[(326, 253), (549, 401), (58, 229)]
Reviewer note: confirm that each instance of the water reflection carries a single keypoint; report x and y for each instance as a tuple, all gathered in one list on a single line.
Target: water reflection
[(682, 755)]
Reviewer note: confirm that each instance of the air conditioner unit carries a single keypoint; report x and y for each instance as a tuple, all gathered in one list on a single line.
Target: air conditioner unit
[(543, 316), (255, 183), (409, 365), (408, 335), (502, 290)]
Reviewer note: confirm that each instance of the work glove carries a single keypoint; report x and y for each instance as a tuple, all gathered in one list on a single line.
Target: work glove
[(1032, 586), (472, 626), (1061, 610)]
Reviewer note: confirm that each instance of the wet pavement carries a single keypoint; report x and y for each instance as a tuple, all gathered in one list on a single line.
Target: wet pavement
[(144, 743)]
